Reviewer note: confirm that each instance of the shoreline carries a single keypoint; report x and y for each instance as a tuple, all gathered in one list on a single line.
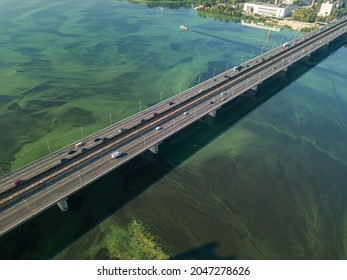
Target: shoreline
[(295, 25)]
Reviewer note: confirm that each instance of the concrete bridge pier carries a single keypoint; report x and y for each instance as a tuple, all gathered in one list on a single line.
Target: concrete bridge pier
[(306, 59), (155, 148), (251, 93), (254, 88), (213, 113), (209, 122), (325, 47), (63, 205), (282, 74)]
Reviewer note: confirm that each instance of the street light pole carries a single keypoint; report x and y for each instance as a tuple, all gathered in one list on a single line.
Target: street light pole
[(79, 176), (262, 49), (49, 148), (82, 131), (110, 119), (2, 171), (26, 204), (214, 71), (161, 96), (199, 78), (140, 103), (252, 54), (241, 59), (179, 88), (228, 65)]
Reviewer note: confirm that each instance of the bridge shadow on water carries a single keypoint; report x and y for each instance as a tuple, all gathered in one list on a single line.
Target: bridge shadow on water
[(205, 252), (52, 231)]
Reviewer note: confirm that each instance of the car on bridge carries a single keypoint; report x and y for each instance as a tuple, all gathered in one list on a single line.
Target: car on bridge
[(158, 128), (80, 144), (17, 182), (154, 114), (116, 154)]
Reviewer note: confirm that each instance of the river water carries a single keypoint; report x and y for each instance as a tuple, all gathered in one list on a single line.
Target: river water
[(263, 180)]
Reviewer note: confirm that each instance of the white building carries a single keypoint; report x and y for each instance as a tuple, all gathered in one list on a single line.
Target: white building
[(269, 10), (326, 9), (295, 2)]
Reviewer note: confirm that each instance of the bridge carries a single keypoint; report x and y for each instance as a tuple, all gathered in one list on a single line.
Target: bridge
[(52, 179)]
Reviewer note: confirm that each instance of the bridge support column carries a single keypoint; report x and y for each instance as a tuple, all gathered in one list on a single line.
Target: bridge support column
[(255, 88), (155, 148), (251, 93), (213, 113), (63, 205)]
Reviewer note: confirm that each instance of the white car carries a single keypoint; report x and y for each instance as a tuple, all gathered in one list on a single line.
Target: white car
[(158, 128), (116, 154)]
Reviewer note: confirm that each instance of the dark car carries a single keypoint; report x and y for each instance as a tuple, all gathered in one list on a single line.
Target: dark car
[(170, 103), (17, 182), (71, 152), (63, 159), (83, 150), (104, 139), (154, 114), (142, 120), (97, 139)]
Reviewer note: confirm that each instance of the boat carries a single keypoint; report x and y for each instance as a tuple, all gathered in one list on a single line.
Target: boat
[(182, 27)]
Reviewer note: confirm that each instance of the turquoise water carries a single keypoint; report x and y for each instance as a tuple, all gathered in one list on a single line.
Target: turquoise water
[(265, 180)]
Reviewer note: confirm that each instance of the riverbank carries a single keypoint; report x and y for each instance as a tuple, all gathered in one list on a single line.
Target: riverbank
[(236, 13), (292, 24)]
